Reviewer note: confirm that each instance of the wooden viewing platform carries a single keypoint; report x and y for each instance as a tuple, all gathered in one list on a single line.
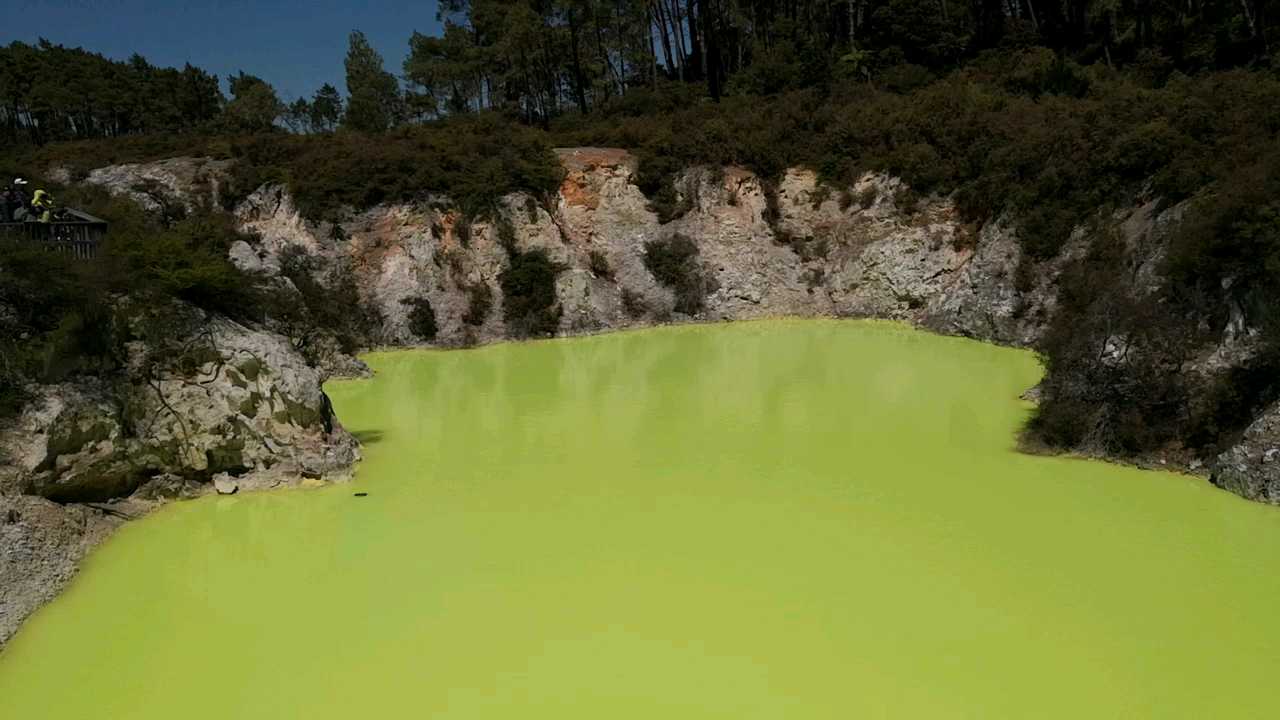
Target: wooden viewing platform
[(74, 232)]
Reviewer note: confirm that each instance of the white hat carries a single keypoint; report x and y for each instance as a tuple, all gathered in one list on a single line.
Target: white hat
[(19, 181)]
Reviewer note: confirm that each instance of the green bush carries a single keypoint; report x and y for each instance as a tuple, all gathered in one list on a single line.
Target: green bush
[(529, 294), (674, 262), (474, 160), (479, 302), (422, 318), (331, 302)]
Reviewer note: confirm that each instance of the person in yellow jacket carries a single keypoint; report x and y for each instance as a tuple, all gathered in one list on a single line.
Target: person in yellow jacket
[(42, 204)]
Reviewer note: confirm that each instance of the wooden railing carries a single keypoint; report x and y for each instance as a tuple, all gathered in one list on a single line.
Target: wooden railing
[(78, 234)]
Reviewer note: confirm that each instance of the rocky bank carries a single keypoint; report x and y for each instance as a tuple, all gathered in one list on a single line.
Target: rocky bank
[(227, 408), (253, 413)]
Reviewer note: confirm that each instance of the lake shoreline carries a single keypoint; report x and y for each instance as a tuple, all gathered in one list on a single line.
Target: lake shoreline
[(809, 398), (26, 594)]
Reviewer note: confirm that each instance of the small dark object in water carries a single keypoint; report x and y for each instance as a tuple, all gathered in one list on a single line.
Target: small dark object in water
[(362, 494)]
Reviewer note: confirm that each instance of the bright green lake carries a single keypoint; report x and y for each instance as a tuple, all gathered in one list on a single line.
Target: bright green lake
[(793, 519)]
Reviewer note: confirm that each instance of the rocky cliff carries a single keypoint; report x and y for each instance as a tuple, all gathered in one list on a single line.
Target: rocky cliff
[(799, 249)]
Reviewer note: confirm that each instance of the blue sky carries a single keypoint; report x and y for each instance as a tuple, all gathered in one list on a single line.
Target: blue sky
[(294, 45)]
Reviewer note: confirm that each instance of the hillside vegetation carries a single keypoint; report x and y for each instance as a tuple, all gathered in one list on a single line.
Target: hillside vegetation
[(1052, 115)]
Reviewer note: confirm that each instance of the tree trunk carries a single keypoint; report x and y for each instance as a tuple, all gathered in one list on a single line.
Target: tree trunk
[(660, 17), (1251, 18), (712, 56), (578, 78), (697, 63), (653, 51)]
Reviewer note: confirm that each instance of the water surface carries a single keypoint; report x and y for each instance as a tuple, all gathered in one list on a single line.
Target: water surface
[(796, 519)]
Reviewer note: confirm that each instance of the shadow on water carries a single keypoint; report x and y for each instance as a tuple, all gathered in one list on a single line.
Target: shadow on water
[(368, 437)]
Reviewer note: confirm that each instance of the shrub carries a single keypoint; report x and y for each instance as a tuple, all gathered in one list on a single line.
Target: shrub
[(479, 302), (421, 317), (599, 265), (331, 301), (462, 230), (473, 159), (674, 263), (633, 304), (506, 235), (529, 294)]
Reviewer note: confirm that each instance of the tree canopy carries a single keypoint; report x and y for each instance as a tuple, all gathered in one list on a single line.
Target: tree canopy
[(49, 92), (374, 103)]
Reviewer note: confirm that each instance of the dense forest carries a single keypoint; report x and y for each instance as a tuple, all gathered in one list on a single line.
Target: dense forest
[(538, 59), (1050, 114)]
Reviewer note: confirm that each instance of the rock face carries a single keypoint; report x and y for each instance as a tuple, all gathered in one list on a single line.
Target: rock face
[(251, 409), (804, 251), (1252, 466), (154, 185)]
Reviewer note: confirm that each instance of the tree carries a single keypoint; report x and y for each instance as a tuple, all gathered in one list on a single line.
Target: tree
[(374, 104), (444, 72), (297, 116), (326, 109), (254, 106)]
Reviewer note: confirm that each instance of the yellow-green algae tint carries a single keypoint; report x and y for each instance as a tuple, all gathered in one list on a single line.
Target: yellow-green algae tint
[(790, 519)]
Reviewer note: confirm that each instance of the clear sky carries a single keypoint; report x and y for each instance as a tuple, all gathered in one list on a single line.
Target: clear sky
[(296, 45)]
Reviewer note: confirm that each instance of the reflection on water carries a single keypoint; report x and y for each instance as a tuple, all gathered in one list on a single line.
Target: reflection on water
[(779, 519)]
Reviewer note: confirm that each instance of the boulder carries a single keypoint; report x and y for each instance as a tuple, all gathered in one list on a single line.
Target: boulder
[(1251, 467), (253, 407)]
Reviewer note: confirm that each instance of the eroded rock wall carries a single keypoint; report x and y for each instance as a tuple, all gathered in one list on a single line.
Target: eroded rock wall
[(807, 251)]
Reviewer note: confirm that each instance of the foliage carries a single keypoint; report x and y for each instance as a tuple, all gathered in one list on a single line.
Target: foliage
[(633, 304), (473, 160), (331, 303), (254, 104), (674, 262), (49, 92), (529, 294), (479, 303), (1114, 358), (422, 318), (375, 94), (321, 114), (61, 317)]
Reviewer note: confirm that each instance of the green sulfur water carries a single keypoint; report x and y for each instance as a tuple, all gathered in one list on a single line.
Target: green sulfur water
[(791, 519)]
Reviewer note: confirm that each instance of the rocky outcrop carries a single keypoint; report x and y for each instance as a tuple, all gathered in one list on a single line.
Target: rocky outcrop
[(1252, 466), (234, 401), (157, 185)]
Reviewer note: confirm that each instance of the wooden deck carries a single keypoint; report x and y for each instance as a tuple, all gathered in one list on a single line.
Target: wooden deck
[(78, 233)]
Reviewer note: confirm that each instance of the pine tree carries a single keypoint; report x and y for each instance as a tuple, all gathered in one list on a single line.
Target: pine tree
[(374, 103), (326, 109)]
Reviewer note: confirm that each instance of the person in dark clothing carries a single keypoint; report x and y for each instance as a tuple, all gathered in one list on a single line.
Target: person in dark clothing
[(13, 202)]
